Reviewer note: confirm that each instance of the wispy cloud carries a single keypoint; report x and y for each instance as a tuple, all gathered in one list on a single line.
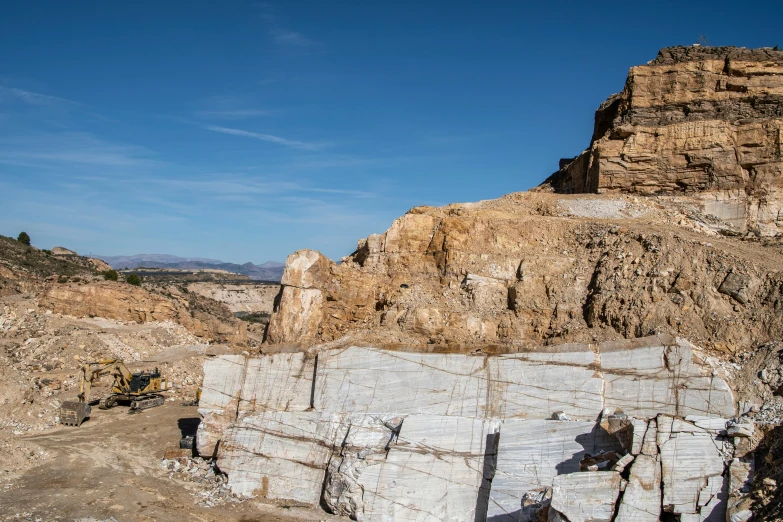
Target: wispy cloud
[(229, 107), (291, 38), (243, 185), (49, 150), (32, 98), (233, 114), (286, 39), (295, 144)]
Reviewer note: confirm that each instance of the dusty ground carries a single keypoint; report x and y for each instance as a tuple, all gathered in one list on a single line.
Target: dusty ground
[(110, 469)]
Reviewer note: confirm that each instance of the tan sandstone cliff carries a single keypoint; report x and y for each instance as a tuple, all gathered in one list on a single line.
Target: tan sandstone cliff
[(702, 121), (687, 159), (126, 302)]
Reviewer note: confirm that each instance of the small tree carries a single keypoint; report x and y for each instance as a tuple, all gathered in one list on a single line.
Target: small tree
[(24, 238), (133, 279), (111, 275)]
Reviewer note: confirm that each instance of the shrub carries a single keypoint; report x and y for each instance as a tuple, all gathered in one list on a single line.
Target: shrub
[(133, 279), (23, 238), (110, 275)]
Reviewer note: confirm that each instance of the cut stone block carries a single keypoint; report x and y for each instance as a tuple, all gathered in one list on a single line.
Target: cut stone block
[(523, 387), (366, 444), (639, 431), (692, 465), (645, 377), (532, 453), (220, 390), (586, 496), (280, 456), (281, 382), (641, 501), (369, 380), (439, 469)]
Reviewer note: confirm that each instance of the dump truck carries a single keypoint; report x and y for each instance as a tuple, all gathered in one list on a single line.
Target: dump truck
[(141, 390)]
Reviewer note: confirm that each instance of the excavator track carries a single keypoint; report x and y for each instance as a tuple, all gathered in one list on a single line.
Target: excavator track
[(146, 403), (107, 402)]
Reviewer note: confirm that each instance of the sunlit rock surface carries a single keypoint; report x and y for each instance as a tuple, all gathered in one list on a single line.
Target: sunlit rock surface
[(393, 435)]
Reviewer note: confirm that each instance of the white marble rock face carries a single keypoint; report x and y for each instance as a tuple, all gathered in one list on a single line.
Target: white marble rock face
[(522, 387), (279, 382), (280, 455), (641, 501), (369, 380), (366, 444), (390, 435), (532, 453), (223, 379), (692, 463), (642, 378), (588, 496), (439, 469)]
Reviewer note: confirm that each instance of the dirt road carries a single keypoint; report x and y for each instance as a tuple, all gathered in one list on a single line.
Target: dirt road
[(110, 469)]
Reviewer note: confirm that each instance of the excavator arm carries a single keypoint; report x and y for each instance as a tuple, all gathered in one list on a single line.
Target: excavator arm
[(74, 412), (97, 369)]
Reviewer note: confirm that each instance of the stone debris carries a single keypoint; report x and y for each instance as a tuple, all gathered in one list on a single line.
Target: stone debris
[(622, 463), (213, 488), (740, 428)]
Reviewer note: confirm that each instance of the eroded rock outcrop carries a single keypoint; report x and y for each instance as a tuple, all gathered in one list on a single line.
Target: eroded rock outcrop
[(499, 275), (130, 303), (701, 120)]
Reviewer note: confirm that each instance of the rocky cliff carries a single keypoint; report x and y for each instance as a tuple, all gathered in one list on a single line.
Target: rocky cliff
[(702, 121), (453, 367), (531, 268), (688, 158), (205, 318)]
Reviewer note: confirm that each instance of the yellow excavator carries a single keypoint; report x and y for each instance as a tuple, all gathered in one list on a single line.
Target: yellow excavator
[(141, 389)]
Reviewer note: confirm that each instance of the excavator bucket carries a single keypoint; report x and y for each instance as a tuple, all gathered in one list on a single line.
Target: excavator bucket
[(73, 413)]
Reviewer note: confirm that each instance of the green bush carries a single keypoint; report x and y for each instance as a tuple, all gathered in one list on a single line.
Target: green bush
[(133, 279), (111, 275), (23, 238)]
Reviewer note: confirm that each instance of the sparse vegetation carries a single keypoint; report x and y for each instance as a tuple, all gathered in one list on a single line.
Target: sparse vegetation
[(133, 279), (110, 275), (38, 263), (23, 238), (255, 317)]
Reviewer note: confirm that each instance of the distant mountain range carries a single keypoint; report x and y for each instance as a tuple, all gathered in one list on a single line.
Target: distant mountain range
[(269, 271)]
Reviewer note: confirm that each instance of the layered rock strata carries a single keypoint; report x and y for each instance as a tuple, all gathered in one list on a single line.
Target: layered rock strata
[(701, 120), (387, 434), (130, 303)]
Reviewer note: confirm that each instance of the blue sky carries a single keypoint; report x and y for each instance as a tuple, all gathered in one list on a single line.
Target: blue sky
[(245, 131)]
